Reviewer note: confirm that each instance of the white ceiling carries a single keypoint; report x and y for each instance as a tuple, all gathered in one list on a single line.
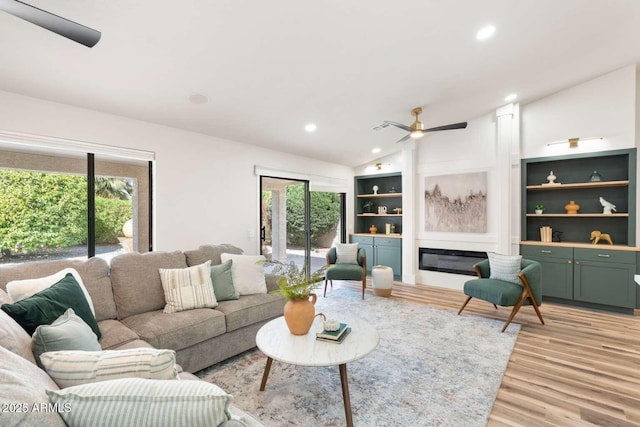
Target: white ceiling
[(268, 68)]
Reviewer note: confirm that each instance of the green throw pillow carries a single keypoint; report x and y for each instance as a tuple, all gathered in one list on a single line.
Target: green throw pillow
[(67, 332), (223, 281), (44, 307)]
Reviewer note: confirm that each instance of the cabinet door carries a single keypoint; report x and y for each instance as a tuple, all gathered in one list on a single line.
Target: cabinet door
[(607, 283), (391, 257), (557, 269)]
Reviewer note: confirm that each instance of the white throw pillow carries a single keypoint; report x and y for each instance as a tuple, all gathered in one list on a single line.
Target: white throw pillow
[(505, 267), (346, 253), (188, 288), (21, 289), (139, 402), (70, 368), (247, 272)]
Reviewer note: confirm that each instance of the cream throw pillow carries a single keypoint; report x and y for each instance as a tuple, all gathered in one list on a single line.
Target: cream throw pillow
[(504, 267), (188, 288), (247, 272), (70, 368), (346, 253), (21, 289)]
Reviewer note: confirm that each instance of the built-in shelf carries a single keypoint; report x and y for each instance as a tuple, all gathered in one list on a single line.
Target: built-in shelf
[(599, 184), (373, 196), (588, 215)]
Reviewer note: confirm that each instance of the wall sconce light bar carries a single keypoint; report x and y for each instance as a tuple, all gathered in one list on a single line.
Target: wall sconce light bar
[(573, 142)]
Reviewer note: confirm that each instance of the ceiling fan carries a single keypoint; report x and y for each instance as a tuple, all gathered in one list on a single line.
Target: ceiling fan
[(417, 130), (59, 25)]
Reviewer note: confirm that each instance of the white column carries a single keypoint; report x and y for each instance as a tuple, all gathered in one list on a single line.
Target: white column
[(508, 171), (409, 224)]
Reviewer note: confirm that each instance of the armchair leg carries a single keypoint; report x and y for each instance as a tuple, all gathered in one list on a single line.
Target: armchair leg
[(325, 288), (464, 305), (516, 307), (364, 285), (535, 307)]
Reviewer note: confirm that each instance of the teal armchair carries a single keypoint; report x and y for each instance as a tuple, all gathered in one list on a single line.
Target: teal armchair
[(346, 271), (505, 293)]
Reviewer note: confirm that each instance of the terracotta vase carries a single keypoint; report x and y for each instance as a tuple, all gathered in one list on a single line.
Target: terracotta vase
[(572, 208), (373, 229), (299, 314)]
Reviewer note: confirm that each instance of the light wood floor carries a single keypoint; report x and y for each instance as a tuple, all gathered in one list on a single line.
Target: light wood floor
[(581, 368)]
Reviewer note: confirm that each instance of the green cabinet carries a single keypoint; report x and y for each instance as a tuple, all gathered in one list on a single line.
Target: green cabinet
[(605, 277), (590, 276), (557, 269), (381, 251)]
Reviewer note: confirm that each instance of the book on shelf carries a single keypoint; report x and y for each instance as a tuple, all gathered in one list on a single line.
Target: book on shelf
[(336, 341), (332, 335)]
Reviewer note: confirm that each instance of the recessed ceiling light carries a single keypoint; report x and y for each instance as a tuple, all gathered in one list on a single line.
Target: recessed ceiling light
[(486, 32), (376, 150), (198, 99), (310, 127), (511, 97)]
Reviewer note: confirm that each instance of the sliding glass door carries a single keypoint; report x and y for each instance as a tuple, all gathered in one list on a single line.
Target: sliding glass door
[(297, 224)]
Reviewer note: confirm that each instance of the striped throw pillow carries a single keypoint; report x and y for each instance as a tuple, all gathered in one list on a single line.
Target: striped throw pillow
[(188, 288), (346, 253), (70, 368), (139, 402), (504, 267)]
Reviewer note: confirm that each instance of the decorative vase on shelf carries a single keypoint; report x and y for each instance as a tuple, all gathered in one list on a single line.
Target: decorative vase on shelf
[(572, 208), (373, 229), (595, 177), (551, 178), (539, 211), (299, 314)]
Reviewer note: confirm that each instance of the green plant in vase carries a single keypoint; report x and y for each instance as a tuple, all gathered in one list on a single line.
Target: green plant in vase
[(297, 288), (367, 207), (539, 209)]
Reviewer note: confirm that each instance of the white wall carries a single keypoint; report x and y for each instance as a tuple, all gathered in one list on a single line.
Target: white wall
[(206, 190)]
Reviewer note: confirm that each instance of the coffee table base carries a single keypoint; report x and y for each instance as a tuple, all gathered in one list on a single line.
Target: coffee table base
[(343, 382)]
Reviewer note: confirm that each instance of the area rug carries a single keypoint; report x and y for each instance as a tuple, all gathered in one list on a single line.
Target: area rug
[(431, 368)]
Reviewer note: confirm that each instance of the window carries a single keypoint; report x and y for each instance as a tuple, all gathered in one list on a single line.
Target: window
[(46, 211)]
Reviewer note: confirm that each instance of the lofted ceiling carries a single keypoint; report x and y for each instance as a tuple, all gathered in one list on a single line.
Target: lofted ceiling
[(269, 68)]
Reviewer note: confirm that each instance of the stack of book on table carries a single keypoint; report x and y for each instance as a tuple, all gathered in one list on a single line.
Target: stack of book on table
[(334, 336)]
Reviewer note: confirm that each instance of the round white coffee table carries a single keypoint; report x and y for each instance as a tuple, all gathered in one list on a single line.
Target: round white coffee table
[(277, 343)]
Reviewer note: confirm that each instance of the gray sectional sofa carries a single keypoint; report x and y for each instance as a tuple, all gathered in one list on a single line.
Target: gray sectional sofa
[(128, 299)]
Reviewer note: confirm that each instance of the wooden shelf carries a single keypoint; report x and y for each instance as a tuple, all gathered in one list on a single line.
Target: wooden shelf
[(586, 215), (376, 215), (374, 196), (600, 184)]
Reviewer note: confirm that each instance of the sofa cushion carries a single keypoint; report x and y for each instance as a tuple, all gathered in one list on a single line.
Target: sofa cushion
[(210, 253), (134, 401), (71, 368), (93, 271), (24, 386), (136, 283), (222, 281), (46, 306), (177, 330), (188, 288), (250, 309), (14, 338), (67, 332), (115, 334)]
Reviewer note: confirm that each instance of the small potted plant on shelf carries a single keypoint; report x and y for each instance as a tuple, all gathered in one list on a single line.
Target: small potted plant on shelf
[(539, 209), (297, 288), (367, 207)]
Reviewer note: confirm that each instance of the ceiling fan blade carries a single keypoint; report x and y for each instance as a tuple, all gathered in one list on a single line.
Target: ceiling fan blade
[(398, 125), (59, 25), (460, 125), (404, 138)]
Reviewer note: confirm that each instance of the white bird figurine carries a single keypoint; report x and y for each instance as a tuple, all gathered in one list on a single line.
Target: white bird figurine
[(608, 206)]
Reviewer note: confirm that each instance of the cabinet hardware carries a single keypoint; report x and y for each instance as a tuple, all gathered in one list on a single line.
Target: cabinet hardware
[(569, 261), (545, 252), (604, 256), (577, 262)]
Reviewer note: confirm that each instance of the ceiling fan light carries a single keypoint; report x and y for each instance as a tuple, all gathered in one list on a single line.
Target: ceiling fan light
[(416, 134)]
